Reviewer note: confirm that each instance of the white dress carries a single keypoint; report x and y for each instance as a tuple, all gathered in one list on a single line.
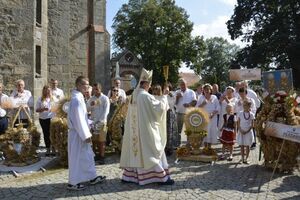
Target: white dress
[(245, 123), (212, 128)]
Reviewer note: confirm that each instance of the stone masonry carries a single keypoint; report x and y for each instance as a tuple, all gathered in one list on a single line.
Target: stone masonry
[(68, 44), (61, 38), (19, 37)]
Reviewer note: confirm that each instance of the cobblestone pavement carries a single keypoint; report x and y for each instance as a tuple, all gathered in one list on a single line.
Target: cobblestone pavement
[(194, 180)]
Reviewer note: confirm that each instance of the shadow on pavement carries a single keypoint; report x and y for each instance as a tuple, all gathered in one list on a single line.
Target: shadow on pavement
[(204, 177)]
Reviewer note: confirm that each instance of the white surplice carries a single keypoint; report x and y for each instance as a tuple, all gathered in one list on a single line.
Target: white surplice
[(144, 141), (80, 153)]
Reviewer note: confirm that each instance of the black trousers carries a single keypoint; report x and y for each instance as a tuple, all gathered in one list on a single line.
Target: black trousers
[(3, 124), (45, 124)]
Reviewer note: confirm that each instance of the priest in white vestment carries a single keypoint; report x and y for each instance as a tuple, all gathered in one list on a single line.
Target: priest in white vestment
[(143, 158), (80, 154)]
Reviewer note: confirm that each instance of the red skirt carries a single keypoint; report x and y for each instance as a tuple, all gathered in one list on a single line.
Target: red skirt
[(227, 137)]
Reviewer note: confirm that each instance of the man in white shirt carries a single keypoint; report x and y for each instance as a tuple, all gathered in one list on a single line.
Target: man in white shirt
[(251, 94), (122, 93), (22, 97), (99, 106), (56, 92), (185, 98), (240, 100)]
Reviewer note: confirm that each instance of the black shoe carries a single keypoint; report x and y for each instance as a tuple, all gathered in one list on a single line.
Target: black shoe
[(98, 179), (253, 146), (168, 182), (76, 187)]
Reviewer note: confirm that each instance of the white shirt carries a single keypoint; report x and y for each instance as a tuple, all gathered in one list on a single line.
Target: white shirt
[(246, 119), (121, 93), (58, 94), (239, 105), (250, 94), (2, 98), (24, 98), (211, 105), (253, 95), (224, 103), (99, 111), (45, 104), (187, 97), (171, 101)]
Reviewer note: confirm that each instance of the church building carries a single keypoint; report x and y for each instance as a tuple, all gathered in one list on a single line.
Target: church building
[(60, 39)]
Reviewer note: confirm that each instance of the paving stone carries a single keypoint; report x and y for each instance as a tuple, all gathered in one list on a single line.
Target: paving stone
[(193, 180)]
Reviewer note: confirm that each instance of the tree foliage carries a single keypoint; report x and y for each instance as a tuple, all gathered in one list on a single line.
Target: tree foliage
[(160, 33), (273, 28), (216, 61)]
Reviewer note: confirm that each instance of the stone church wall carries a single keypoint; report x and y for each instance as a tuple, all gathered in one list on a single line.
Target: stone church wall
[(61, 37), (19, 37), (67, 46), (68, 42)]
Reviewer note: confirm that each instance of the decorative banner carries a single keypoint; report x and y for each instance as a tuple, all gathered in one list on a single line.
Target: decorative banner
[(245, 74), (274, 81), (283, 131)]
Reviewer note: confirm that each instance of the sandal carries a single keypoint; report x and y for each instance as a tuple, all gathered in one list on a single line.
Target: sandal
[(98, 179), (76, 187)]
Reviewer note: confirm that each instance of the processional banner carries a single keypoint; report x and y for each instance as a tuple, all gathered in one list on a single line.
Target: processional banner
[(274, 81)]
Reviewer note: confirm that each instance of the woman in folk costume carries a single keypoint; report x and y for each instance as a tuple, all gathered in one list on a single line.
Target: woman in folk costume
[(210, 103), (143, 158), (227, 98), (80, 153)]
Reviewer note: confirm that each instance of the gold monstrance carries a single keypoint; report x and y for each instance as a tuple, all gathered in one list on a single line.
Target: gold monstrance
[(166, 72)]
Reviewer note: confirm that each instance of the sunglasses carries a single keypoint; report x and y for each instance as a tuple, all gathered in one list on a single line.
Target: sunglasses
[(115, 90)]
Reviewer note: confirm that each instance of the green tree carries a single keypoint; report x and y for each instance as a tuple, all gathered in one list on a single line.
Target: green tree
[(216, 61), (273, 28), (160, 33)]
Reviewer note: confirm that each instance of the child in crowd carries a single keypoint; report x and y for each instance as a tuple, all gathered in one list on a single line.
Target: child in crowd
[(245, 130), (228, 131)]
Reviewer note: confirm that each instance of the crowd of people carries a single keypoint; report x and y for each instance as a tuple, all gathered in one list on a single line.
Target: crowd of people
[(153, 126)]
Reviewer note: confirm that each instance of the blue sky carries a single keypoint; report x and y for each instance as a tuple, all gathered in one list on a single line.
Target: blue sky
[(209, 16)]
